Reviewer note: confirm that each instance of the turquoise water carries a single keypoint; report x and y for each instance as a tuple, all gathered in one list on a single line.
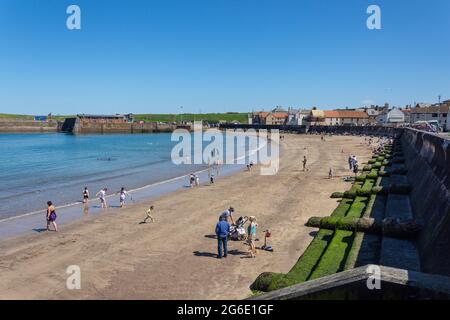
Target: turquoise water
[(36, 168)]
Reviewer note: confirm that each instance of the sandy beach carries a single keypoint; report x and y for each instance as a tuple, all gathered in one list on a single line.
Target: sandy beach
[(175, 258)]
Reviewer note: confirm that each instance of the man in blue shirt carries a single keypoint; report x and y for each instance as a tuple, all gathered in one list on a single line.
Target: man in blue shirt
[(222, 230)]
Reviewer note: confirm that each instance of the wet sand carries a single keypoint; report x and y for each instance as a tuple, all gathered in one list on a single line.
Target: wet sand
[(175, 257)]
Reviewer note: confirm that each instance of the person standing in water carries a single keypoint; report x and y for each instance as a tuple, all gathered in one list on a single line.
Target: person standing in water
[(102, 196), (192, 180), (85, 195), (197, 180), (51, 216), (122, 195)]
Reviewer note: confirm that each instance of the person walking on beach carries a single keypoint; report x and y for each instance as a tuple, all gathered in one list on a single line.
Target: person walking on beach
[(355, 169), (197, 180), (251, 231), (122, 195), (85, 195), (192, 180), (304, 163), (222, 231), (330, 173), (227, 215), (350, 162), (51, 216), (149, 215), (102, 196)]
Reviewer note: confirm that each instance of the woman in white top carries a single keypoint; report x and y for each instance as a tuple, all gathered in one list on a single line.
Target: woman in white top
[(102, 196)]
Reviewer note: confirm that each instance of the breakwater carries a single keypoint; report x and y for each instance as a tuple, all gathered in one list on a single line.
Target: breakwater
[(31, 126), (74, 125)]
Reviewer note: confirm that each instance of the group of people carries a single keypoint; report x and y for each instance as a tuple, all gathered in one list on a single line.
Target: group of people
[(102, 196), (51, 210), (381, 144), (223, 227)]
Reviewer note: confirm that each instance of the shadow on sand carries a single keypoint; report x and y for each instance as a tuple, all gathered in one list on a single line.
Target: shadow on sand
[(234, 252)]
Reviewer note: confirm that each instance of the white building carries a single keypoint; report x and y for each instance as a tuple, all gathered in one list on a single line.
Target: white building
[(297, 117), (432, 113), (393, 116), (448, 121)]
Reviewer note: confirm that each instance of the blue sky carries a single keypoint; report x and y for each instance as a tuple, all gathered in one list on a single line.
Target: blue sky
[(220, 55)]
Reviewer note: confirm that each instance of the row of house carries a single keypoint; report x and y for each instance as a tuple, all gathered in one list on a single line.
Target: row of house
[(373, 115), (291, 116), (436, 114)]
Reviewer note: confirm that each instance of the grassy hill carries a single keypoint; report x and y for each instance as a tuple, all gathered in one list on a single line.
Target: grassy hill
[(207, 117), (15, 116)]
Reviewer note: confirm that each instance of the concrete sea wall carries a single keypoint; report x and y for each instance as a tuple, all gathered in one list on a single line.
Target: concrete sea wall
[(78, 127), (428, 160), (28, 126), (73, 125)]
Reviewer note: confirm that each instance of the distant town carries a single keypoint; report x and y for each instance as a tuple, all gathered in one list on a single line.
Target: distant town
[(423, 116), (429, 117)]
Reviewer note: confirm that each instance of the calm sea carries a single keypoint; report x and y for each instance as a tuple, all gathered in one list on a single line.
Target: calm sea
[(36, 168)]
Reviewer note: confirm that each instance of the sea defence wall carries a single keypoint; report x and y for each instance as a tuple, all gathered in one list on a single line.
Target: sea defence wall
[(366, 130), (28, 126), (76, 126), (245, 127), (427, 158), (413, 267)]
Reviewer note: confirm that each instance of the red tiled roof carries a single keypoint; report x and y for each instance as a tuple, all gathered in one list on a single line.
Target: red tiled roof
[(345, 114), (280, 115), (331, 114), (433, 109), (263, 114)]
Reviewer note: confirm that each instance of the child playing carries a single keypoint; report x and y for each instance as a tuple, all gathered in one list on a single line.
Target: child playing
[(122, 195), (149, 215), (252, 236)]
